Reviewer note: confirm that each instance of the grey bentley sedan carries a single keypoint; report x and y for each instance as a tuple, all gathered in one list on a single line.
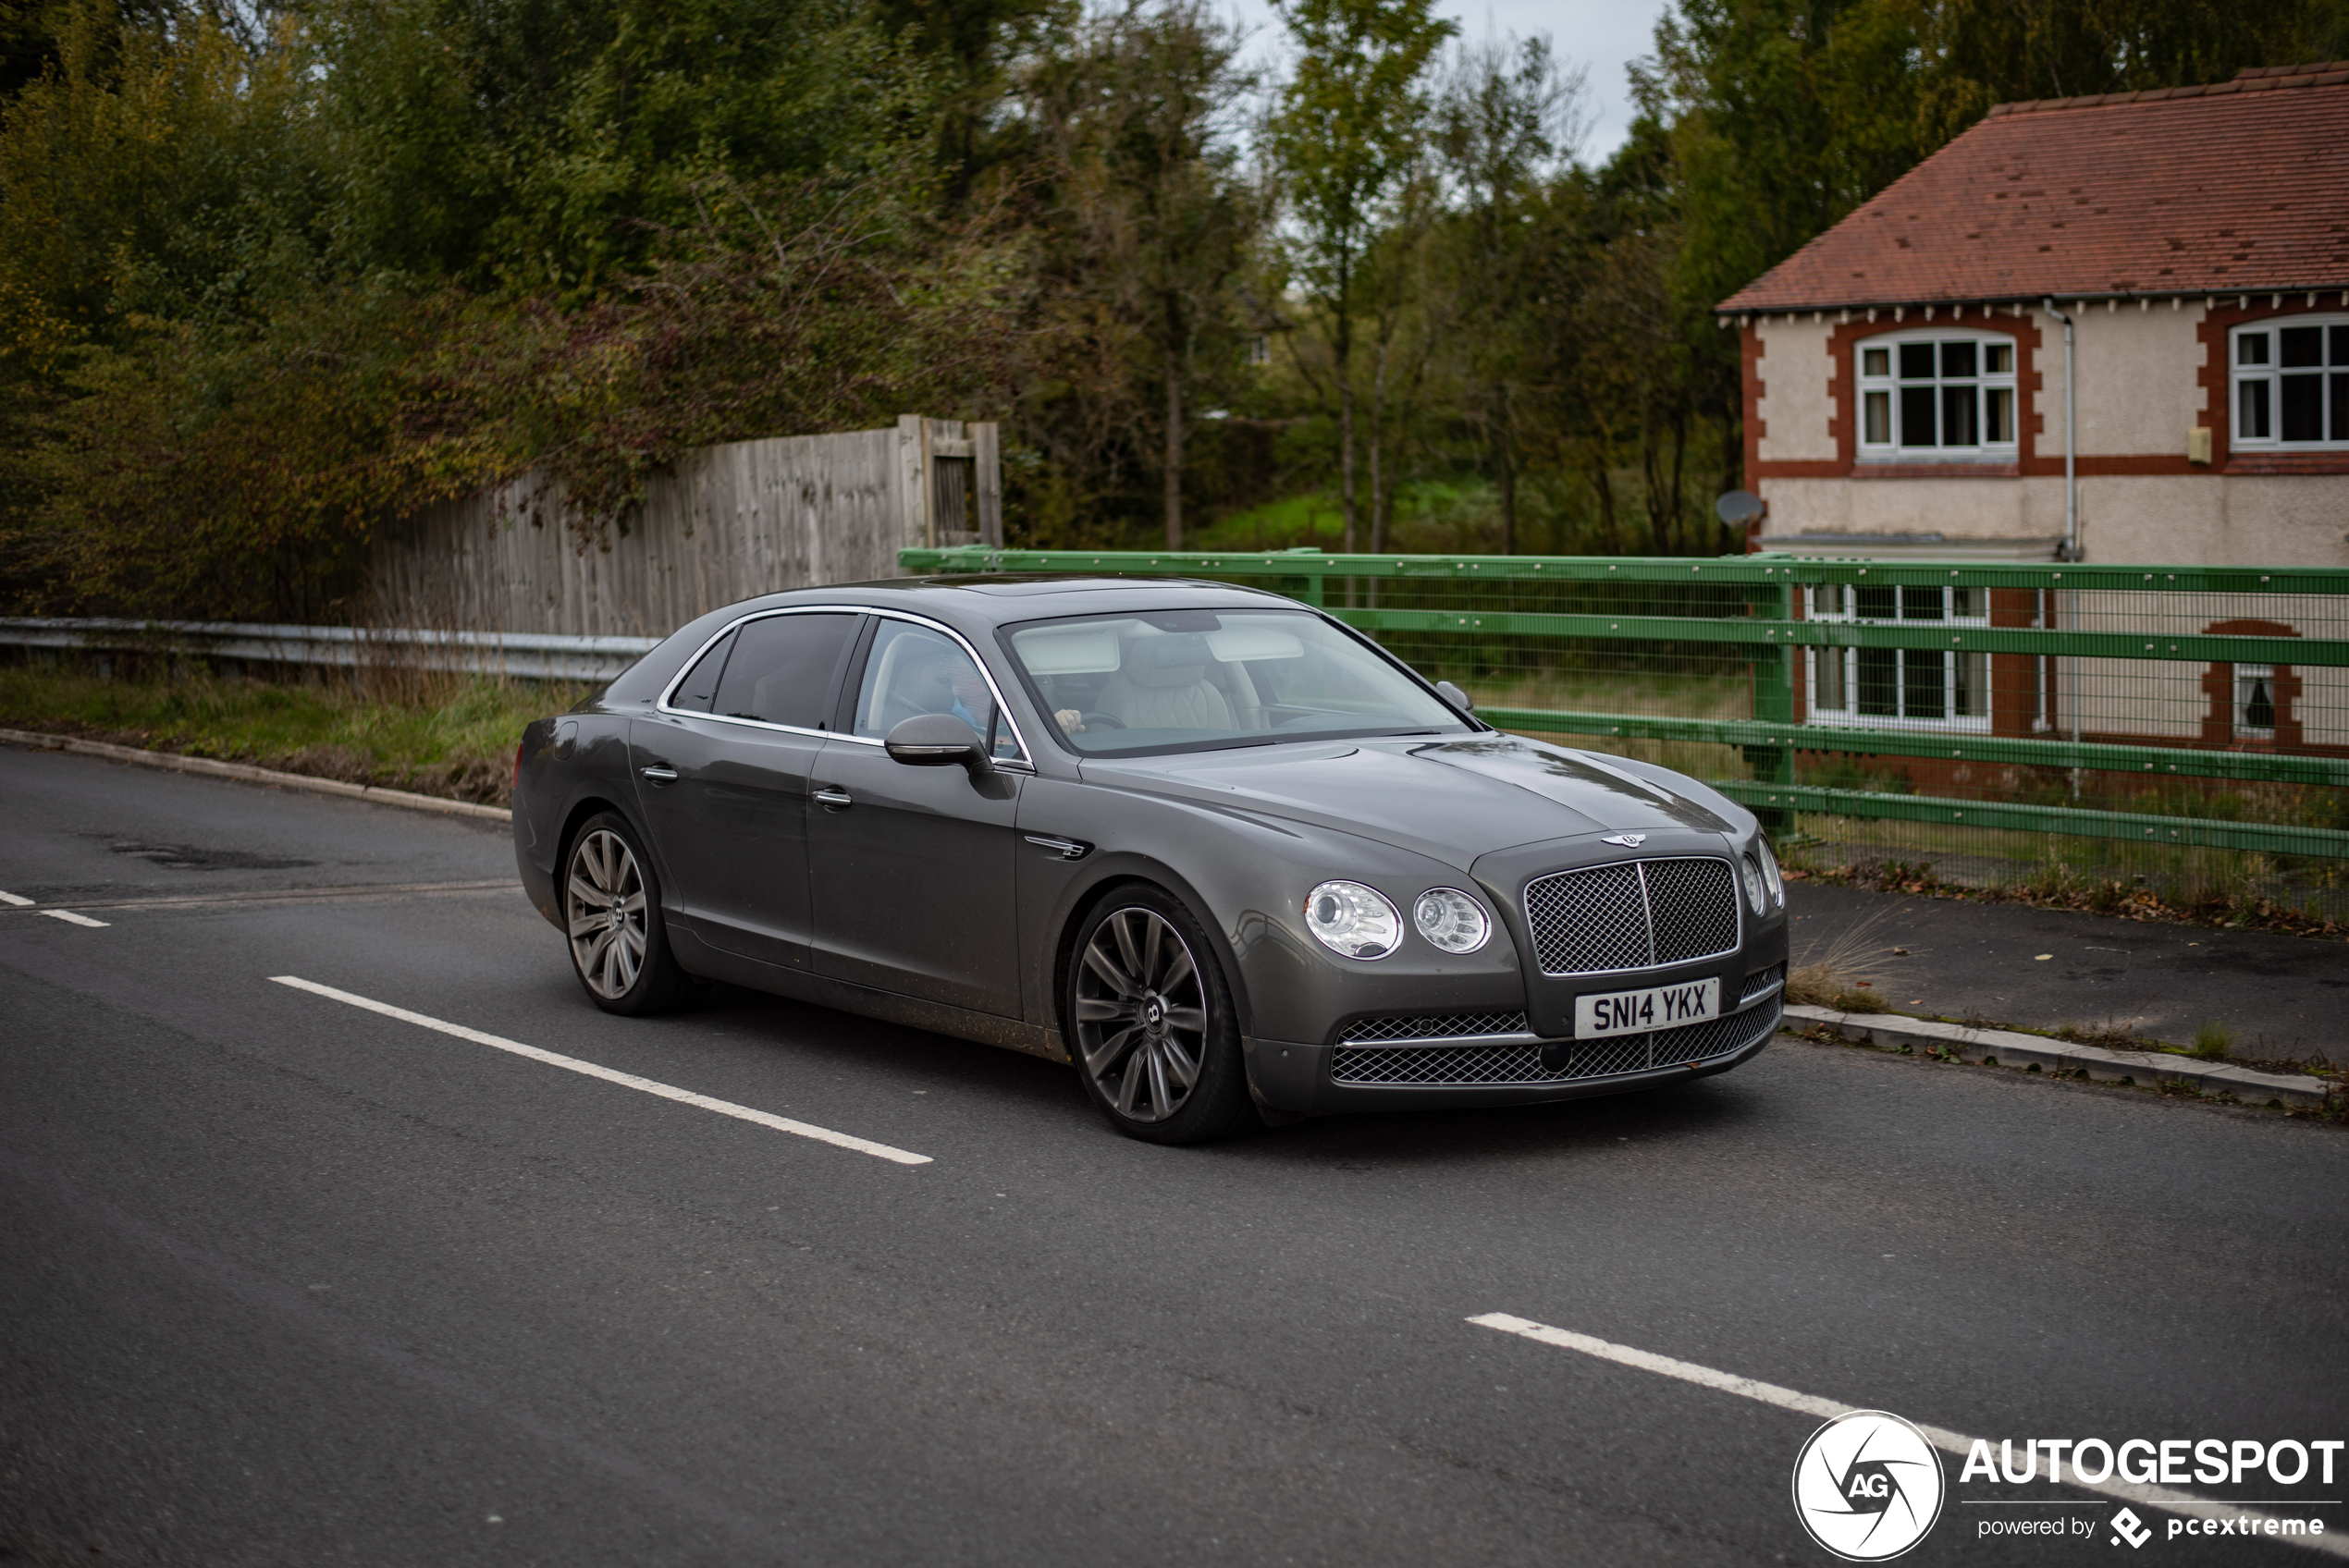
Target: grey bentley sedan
[(1223, 854)]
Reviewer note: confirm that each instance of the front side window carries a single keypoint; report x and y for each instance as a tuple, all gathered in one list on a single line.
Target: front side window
[(1937, 394), (2292, 383), (913, 670), (1192, 679), (1901, 686)]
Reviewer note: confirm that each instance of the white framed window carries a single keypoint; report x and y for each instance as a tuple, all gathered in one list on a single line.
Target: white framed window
[(1900, 688), (1936, 395), (2292, 384), (2254, 702)]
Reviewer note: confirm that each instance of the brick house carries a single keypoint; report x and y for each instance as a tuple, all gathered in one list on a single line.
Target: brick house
[(1906, 384)]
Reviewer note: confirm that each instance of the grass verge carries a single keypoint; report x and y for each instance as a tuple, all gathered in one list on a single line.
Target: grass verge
[(448, 735)]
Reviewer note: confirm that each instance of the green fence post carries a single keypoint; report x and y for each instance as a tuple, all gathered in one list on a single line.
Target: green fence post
[(1774, 673), (1314, 594)]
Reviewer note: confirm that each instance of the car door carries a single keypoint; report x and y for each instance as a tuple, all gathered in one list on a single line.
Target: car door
[(910, 868), (722, 776)]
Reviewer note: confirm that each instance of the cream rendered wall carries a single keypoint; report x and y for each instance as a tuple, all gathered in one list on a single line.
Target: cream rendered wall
[(2217, 520), (1962, 508), (2137, 379), (1797, 400)]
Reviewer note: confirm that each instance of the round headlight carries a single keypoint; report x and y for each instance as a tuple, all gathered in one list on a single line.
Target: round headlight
[(1770, 873), (1451, 920), (1750, 873), (1353, 920)]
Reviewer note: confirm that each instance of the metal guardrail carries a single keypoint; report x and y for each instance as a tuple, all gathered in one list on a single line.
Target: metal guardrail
[(1755, 625), (526, 656)]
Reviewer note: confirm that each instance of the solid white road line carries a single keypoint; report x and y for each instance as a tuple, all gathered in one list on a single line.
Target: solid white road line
[(72, 919), (626, 1079), (1826, 1410), (17, 898)]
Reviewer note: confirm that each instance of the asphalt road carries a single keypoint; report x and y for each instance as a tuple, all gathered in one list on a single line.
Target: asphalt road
[(2285, 996), (283, 1281)]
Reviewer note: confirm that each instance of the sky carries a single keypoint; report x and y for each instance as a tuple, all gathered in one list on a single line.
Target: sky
[(1602, 36)]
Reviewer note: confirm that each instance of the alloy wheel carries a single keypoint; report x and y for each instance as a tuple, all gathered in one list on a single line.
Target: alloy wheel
[(1141, 1015), (606, 914)]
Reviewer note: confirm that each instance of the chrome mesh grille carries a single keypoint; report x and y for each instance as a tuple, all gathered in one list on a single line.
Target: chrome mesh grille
[(1432, 1026), (1634, 915), (1760, 981), (1521, 1065), (1693, 904)]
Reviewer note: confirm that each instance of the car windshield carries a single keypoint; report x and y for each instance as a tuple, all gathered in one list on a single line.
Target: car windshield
[(1180, 679)]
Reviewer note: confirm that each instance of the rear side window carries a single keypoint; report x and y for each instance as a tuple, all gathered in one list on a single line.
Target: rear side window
[(779, 670), (694, 692)]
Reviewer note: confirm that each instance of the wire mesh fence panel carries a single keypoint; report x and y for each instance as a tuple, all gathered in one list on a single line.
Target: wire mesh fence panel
[(2171, 733)]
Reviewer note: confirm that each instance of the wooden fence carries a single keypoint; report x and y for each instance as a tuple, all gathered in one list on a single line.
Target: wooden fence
[(732, 521)]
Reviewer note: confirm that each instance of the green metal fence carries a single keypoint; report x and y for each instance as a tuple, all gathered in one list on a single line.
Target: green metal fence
[(2186, 727)]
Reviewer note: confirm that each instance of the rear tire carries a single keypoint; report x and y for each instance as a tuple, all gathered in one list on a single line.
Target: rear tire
[(1151, 1022), (612, 915)]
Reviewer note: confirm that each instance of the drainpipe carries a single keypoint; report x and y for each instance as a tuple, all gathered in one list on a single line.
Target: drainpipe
[(2070, 549)]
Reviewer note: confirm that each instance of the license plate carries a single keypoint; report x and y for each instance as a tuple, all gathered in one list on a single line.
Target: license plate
[(1635, 1013)]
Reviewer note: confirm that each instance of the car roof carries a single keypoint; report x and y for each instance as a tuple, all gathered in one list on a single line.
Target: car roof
[(987, 600), (974, 605)]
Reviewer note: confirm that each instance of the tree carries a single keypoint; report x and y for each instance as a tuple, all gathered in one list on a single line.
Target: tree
[(1506, 114), (1138, 121), (1348, 124)]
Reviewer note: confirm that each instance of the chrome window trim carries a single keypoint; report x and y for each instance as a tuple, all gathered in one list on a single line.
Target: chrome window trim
[(1020, 763), (1736, 898)]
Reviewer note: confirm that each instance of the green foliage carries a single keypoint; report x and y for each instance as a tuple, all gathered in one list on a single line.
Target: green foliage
[(444, 735), (271, 278)]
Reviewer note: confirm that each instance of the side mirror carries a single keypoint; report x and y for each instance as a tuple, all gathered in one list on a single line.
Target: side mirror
[(1455, 696), (938, 740)]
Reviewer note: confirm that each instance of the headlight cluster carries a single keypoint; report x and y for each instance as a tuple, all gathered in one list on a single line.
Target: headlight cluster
[(1759, 872), (1356, 921)]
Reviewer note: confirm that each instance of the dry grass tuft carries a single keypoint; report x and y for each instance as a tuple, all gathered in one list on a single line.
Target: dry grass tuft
[(1841, 971)]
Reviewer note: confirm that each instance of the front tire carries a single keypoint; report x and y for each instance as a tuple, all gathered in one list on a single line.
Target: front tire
[(1151, 1018), (611, 913)]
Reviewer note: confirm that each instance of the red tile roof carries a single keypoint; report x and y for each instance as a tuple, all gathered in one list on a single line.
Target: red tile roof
[(2236, 187)]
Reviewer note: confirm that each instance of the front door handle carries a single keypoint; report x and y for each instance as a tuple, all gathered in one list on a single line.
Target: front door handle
[(828, 796), (660, 774)]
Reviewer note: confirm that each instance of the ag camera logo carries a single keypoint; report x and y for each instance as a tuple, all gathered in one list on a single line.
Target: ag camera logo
[(1867, 1485)]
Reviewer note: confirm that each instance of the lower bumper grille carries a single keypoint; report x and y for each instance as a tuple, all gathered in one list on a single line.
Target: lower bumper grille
[(1521, 1065)]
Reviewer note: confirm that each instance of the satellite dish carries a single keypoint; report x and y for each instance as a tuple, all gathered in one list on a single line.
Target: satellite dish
[(1739, 507)]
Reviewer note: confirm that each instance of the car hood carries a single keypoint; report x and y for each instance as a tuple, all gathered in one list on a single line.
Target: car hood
[(1455, 799)]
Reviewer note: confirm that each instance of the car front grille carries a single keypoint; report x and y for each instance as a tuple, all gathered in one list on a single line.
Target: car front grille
[(1633, 914), (1432, 1026), (1513, 1065), (1761, 980)]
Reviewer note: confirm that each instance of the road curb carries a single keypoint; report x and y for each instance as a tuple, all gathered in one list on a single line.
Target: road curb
[(244, 773), (2004, 1047)]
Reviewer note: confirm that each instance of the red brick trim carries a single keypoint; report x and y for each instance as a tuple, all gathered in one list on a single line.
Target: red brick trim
[(1750, 373), (2217, 406), (1936, 471), (2218, 684), (1843, 425), (2289, 462)]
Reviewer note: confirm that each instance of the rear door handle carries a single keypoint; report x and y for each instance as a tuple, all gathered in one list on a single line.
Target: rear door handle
[(829, 796), (660, 775)]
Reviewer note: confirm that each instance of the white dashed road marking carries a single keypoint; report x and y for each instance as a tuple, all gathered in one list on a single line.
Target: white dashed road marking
[(625, 1079), (18, 901), (1958, 1443)]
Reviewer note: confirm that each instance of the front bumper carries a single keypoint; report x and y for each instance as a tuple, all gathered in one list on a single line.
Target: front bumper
[(1320, 1080)]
